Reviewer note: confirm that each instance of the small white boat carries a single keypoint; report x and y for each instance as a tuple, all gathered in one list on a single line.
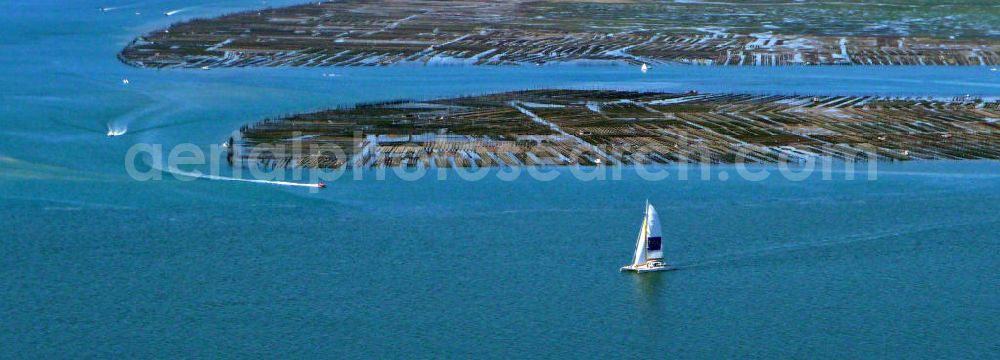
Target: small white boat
[(116, 130), (649, 246), (644, 68)]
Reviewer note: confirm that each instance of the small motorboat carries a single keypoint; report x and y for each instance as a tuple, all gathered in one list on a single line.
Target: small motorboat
[(321, 185), (116, 132)]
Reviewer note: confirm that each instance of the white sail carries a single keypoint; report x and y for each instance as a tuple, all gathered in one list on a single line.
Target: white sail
[(640, 245), (654, 239)]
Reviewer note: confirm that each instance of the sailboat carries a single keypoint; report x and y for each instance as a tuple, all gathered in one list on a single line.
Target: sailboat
[(649, 246)]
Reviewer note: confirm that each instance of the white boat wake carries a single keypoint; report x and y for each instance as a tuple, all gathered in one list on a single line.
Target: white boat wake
[(178, 11), (113, 8), (120, 126), (117, 130), (226, 178)]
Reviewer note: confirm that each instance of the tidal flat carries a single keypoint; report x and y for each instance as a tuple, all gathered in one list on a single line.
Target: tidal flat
[(588, 127), (383, 32)]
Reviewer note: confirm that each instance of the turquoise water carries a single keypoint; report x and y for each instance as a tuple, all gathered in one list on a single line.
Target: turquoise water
[(97, 264)]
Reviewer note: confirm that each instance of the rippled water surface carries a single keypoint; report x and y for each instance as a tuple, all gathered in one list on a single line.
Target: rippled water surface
[(96, 263)]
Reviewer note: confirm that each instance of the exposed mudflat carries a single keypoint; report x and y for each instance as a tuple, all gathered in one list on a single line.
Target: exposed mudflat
[(587, 127), (382, 32)]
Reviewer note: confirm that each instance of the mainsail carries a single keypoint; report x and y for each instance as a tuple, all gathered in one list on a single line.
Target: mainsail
[(649, 245), (654, 239)]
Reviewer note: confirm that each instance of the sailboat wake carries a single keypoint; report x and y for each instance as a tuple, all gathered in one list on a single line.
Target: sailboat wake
[(791, 247)]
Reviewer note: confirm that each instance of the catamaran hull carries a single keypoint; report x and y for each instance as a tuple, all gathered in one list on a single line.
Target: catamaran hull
[(644, 269)]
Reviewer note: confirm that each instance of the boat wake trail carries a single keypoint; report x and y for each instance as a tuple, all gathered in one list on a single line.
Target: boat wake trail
[(164, 126), (78, 127), (117, 130), (118, 126), (67, 205), (799, 246), (178, 11), (179, 172), (113, 8)]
